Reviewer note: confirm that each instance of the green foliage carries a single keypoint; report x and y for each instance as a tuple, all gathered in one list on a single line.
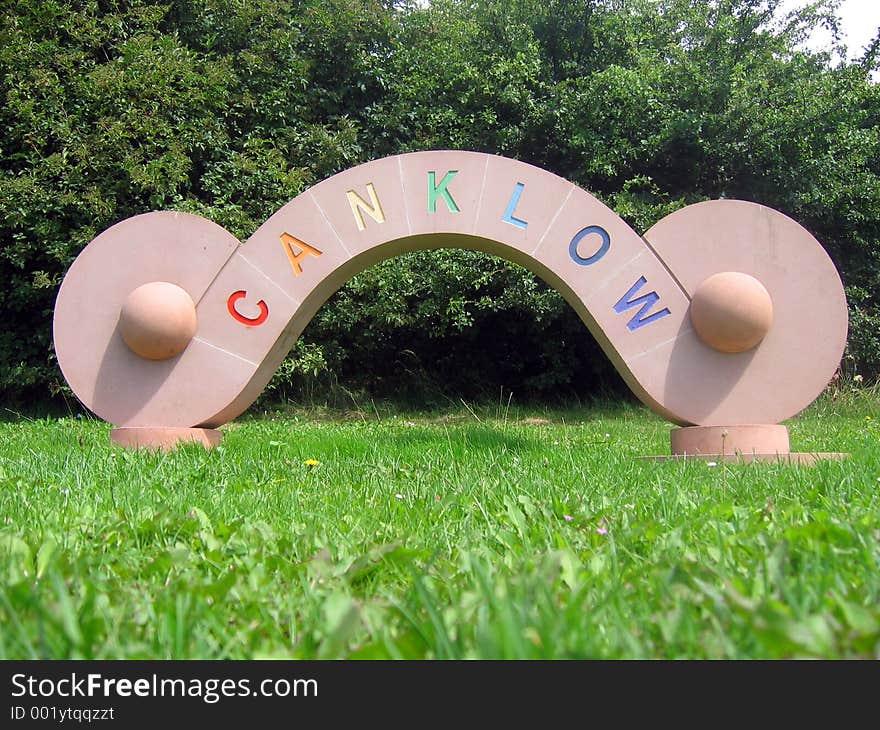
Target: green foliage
[(439, 321), (229, 108), (433, 535)]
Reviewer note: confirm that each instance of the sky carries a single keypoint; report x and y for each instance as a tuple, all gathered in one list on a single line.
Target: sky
[(859, 22)]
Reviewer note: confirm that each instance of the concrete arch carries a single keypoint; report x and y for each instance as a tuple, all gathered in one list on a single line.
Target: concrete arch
[(632, 292)]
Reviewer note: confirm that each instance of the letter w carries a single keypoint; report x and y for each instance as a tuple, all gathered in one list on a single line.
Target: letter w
[(646, 301)]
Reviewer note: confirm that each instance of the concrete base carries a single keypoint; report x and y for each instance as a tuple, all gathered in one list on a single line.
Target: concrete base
[(803, 458), (164, 438), (737, 444), (746, 439)]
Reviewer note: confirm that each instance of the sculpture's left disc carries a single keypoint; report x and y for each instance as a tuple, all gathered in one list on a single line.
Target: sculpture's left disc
[(107, 375)]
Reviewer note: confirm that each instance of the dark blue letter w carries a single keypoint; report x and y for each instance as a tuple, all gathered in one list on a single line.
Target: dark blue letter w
[(646, 301)]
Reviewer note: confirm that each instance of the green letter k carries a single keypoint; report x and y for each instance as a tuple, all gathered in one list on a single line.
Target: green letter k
[(435, 191)]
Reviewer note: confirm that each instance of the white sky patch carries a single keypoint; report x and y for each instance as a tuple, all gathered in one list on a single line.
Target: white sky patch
[(860, 20)]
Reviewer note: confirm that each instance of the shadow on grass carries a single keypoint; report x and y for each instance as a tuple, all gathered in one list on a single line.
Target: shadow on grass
[(391, 436), (465, 437)]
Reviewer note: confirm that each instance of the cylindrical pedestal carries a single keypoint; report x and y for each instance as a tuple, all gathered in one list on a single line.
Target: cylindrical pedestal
[(164, 438), (746, 440)]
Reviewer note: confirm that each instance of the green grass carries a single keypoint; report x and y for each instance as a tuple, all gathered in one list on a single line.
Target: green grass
[(489, 534)]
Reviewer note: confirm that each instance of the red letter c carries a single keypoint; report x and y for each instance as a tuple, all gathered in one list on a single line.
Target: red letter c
[(249, 321)]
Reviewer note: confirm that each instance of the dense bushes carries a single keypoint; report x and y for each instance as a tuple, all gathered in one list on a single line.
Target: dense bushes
[(229, 108)]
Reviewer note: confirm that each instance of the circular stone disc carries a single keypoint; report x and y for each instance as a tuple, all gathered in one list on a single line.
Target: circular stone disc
[(111, 380), (793, 363)]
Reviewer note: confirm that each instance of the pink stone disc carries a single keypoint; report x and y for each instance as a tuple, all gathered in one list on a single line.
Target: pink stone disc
[(791, 365), (117, 384)]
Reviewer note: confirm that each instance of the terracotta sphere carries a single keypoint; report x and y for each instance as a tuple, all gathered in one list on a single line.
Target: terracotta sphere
[(158, 320), (731, 311)]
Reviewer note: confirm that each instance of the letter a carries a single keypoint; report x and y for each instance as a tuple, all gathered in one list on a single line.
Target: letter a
[(359, 205), (646, 301), (288, 242)]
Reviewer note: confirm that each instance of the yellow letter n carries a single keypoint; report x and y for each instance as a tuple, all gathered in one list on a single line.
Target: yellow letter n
[(288, 243), (359, 206)]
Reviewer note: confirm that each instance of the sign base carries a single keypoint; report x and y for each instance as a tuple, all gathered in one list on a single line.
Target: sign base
[(803, 458), (743, 439), (164, 438), (738, 444)]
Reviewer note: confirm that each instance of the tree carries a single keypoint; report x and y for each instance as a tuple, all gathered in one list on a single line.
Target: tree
[(229, 108)]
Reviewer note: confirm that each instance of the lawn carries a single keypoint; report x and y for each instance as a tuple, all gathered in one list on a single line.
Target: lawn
[(472, 533)]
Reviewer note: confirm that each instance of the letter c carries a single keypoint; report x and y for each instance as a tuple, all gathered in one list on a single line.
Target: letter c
[(249, 321)]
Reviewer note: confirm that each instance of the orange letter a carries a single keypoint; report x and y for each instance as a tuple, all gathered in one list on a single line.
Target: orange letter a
[(288, 242)]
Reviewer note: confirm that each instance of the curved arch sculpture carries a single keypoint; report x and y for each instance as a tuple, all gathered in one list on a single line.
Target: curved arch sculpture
[(724, 313)]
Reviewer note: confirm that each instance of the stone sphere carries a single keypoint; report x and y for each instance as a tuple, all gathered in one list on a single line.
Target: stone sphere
[(158, 320), (731, 311)]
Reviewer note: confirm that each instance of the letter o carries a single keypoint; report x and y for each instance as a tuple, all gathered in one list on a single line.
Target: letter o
[(579, 236)]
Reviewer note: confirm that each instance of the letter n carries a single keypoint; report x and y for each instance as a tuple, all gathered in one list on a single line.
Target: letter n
[(644, 302), (359, 206), (288, 243)]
